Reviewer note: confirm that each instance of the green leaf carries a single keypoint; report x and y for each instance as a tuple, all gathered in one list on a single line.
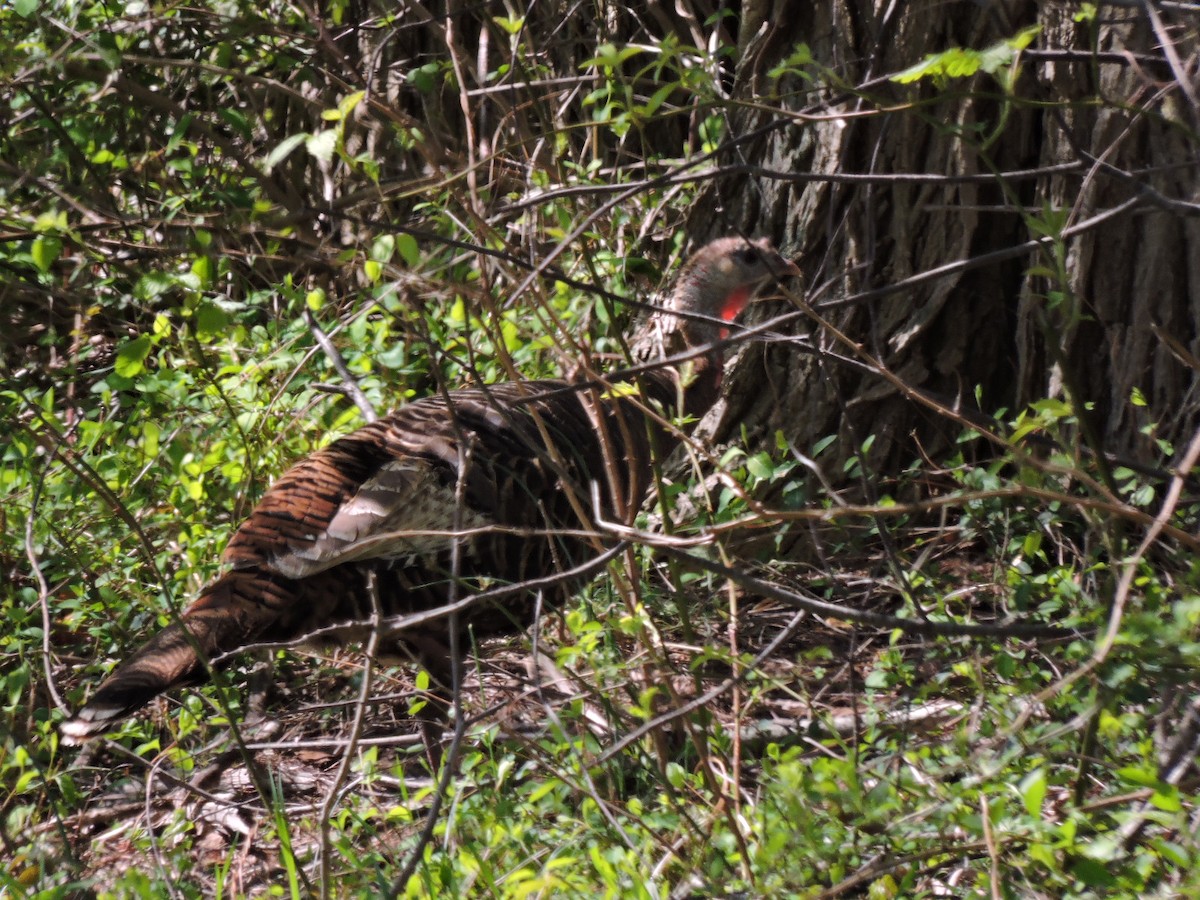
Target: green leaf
[(204, 270), (1025, 36), (1033, 792), (1174, 852), (610, 56), (958, 62), (349, 102), (154, 284), (322, 144), (211, 319), (394, 357), (1139, 775), (26, 8), (150, 435), (820, 446), (45, 251), (282, 150), (932, 65), (1092, 873), (409, 251), (760, 466), (799, 58), (424, 78), (877, 678), (512, 25), (650, 107), (131, 358), (50, 222), (1166, 798), (382, 248)]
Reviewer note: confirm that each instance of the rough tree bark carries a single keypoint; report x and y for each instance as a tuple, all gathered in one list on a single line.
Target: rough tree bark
[(1130, 318)]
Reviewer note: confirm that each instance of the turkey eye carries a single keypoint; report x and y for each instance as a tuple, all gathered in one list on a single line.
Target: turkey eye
[(750, 255)]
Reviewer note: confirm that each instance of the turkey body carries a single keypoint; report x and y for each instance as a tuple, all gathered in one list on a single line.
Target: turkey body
[(446, 499)]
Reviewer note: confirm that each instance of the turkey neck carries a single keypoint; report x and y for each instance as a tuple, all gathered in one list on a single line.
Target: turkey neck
[(690, 326)]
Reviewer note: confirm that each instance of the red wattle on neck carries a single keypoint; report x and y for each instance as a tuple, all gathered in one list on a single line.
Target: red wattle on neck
[(734, 304)]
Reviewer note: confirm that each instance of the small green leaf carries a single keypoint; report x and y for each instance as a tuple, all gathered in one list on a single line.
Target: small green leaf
[(1140, 775), (322, 144), (349, 102), (1174, 852), (511, 335), (1033, 792), (131, 358), (512, 25), (204, 270), (657, 99), (609, 56), (382, 248), (820, 446), (800, 57), (1166, 798), (394, 357), (50, 222), (1025, 36), (150, 435), (211, 319), (760, 466), (424, 78), (876, 679), (45, 251), (409, 251), (282, 150)]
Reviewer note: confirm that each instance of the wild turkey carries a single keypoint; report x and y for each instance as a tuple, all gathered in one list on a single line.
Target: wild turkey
[(508, 467)]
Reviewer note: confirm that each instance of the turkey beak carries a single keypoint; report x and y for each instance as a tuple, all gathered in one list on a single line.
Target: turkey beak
[(786, 269), (781, 268)]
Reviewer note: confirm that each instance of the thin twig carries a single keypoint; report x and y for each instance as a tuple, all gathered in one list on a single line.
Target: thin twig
[(349, 384), (43, 596)]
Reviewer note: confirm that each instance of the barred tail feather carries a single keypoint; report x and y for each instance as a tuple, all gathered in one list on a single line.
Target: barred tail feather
[(168, 660)]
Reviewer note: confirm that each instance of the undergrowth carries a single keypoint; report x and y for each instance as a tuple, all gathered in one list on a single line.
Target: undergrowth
[(753, 702)]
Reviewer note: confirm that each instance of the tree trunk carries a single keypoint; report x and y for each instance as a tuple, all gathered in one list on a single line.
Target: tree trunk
[(979, 331)]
